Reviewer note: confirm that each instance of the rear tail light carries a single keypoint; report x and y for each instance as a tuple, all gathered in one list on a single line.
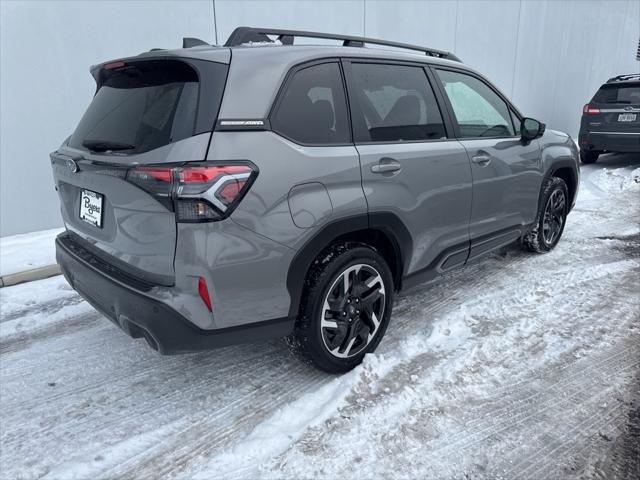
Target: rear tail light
[(589, 109), (157, 181), (200, 192)]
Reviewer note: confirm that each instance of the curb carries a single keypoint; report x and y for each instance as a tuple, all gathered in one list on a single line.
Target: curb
[(29, 275)]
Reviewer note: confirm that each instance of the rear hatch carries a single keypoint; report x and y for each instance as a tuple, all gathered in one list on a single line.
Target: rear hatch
[(112, 174), (615, 108)]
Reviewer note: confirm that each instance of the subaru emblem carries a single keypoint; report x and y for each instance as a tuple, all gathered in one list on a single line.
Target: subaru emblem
[(72, 165)]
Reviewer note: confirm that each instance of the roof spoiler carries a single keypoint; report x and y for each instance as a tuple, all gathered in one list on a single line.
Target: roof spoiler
[(622, 78), (242, 35), (188, 42)]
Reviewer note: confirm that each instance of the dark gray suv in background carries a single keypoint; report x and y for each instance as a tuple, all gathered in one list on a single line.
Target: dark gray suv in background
[(611, 120), (214, 195)]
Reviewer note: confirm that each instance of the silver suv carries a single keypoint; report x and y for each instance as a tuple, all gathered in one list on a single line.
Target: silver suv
[(215, 195)]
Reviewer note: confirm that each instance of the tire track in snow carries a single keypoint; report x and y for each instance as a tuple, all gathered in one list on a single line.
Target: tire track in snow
[(474, 438), (510, 416), (69, 325), (48, 307), (459, 279), (214, 440), (208, 443), (215, 399)]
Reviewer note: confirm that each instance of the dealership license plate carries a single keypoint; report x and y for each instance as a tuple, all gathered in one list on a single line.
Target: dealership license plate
[(627, 117), (91, 207)]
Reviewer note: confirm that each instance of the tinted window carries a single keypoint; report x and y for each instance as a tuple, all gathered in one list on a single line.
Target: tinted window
[(313, 109), (626, 95), (394, 103), (140, 107), (480, 112)]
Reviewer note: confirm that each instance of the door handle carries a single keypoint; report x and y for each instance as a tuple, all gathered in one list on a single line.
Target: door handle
[(481, 159), (386, 165)]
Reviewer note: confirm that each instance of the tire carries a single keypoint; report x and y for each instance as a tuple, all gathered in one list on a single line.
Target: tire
[(588, 157), (551, 217), (349, 331)]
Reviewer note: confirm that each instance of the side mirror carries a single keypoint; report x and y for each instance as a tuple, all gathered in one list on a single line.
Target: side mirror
[(530, 129)]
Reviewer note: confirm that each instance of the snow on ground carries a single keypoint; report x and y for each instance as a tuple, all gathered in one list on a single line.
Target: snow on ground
[(38, 306), (27, 251), (519, 365)]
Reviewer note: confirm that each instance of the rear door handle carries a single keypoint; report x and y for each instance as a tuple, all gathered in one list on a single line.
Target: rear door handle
[(481, 159), (386, 165)]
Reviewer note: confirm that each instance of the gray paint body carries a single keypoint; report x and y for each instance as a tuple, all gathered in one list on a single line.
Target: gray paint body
[(431, 194), (447, 202)]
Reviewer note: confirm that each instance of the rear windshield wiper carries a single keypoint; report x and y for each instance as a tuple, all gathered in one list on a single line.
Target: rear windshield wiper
[(106, 145)]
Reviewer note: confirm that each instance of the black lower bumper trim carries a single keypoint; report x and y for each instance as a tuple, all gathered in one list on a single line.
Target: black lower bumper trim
[(622, 143), (142, 316)]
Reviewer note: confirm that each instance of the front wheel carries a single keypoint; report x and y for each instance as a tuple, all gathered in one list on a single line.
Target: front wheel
[(551, 217), (346, 307)]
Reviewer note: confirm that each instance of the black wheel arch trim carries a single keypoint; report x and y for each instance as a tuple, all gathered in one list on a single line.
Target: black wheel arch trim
[(565, 163), (386, 222)]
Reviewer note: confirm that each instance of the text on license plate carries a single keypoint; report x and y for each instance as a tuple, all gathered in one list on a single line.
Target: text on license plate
[(91, 207), (627, 117)]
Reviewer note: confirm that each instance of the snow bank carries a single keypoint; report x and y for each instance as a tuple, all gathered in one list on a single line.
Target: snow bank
[(27, 251), (616, 180)]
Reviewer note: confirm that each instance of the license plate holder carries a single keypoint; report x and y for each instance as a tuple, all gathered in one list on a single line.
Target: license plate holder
[(627, 117), (91, 207)]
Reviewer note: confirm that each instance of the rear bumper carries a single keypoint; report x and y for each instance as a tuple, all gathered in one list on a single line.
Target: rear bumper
[(612, 141), (139, 315)]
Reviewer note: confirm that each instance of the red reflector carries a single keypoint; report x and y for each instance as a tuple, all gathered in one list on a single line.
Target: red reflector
[(114, 65), (589, 109), (204, 293), (231, 190), (208, 174)]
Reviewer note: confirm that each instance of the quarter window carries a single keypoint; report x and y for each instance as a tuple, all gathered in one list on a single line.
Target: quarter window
[(479, 111), (313, 109), (394, 103)]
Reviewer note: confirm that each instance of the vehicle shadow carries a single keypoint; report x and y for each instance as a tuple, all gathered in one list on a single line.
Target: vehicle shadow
[(614, 160)]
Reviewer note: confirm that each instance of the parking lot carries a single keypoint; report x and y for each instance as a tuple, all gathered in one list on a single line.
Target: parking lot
[(517, 366)]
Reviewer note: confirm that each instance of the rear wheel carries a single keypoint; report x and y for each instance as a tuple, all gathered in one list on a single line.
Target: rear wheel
[(346, 307), (589, 156), (551, 217)]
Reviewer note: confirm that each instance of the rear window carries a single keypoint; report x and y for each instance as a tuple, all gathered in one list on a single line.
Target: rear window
[(623, 94), (140, 107)]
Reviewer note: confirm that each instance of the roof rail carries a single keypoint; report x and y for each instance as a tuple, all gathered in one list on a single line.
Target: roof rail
[(622, 78), (242, 35)]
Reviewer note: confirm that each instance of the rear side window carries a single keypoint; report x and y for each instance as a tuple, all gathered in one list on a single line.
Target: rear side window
[(313, 108), (394, 103), (140, 107), (622, 94), (479, 111)]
